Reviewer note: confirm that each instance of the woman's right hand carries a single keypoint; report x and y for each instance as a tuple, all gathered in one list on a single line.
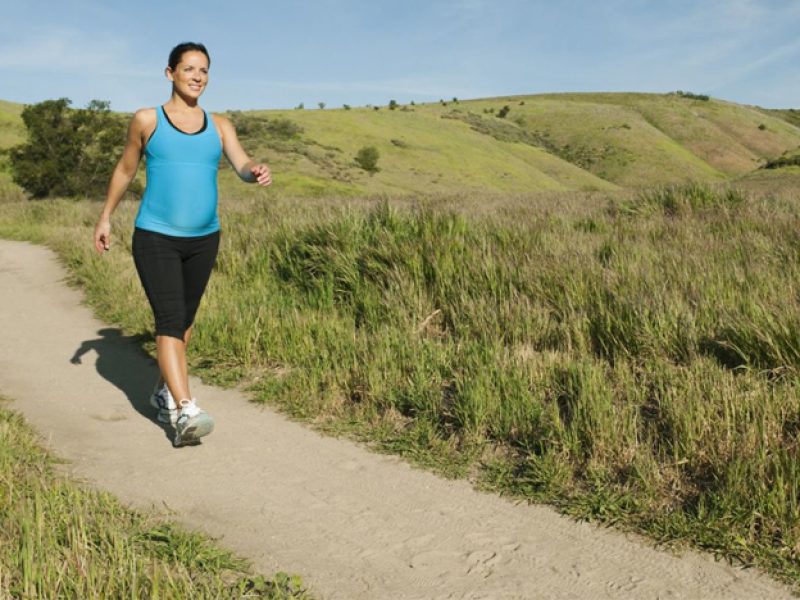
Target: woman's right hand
[(102, 235)]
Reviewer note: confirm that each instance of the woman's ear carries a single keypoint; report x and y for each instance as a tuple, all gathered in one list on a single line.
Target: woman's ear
[(168, 73)]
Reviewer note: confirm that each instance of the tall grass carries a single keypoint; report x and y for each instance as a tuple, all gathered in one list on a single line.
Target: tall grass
[(633, 360)]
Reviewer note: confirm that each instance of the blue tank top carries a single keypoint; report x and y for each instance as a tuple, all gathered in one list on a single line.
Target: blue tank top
[(180, 197)]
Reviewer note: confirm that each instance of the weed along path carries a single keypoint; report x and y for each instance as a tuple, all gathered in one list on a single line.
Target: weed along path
[(353, 524)]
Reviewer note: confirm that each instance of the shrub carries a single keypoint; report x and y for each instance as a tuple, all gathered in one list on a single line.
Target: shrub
[(762, 127), (68, 152), (367, 158), (249, 126), (392, 104), (283, 128), (503, 111), (300, 106), (691, 96), (321, 105), (783, 161), (346, 106)]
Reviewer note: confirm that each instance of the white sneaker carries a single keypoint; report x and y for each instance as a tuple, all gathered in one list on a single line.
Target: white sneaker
[(192, 424), (163, 401)]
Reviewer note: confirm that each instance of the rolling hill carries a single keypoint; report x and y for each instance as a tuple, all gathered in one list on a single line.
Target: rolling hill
[(555, 142)]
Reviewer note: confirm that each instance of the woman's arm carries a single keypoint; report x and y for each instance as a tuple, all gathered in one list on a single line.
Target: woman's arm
[(123, 174), (247, 169)]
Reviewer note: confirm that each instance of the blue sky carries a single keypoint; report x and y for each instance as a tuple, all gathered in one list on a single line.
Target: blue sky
[(270, 54)]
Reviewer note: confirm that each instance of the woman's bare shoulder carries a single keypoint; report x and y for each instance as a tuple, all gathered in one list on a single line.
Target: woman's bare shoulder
[(143, 124), (145, 116), (221, 120), (223, 125)]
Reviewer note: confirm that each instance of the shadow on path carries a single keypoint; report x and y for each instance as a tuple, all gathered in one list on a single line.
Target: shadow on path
[(121, 362)]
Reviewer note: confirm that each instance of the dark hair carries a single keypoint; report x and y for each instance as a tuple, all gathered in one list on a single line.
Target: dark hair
[(178, 51)]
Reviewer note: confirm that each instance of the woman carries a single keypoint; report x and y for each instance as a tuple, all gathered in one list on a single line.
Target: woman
[(176, 238)]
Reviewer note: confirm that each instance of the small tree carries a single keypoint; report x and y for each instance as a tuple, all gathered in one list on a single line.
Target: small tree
[(392, 104), (367, 158), (68, 152), (346, 106), (300, 106), (503, 111), (321, 105)]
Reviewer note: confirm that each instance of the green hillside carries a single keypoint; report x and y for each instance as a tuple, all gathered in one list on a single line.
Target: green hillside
[(12, 131), (552, 142), (790, 115), (420, 152), (644, 139)]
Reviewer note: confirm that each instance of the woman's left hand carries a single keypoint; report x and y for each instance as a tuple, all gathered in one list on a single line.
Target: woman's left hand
[(262, 174)]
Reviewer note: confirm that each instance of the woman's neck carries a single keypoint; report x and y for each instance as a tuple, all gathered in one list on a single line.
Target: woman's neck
[(181, 104)]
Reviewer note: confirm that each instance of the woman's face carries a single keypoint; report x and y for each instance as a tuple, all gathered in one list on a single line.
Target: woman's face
[(190, 76)]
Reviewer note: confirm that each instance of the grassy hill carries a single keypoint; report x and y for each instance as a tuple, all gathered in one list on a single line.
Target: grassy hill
[(552, 142), (420, 152), (12, 131)]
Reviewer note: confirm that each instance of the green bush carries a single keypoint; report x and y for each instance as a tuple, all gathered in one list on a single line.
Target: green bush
[(691, 96), (783, 161), (282, 128), (503, 111), (392, 104), (367, 158), (68, 152), (249, 126)]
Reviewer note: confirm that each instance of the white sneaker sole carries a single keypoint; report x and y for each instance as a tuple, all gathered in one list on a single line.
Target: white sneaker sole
[(197, 427)]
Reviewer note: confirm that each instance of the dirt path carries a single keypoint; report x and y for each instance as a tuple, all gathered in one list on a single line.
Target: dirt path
[(353, 524)]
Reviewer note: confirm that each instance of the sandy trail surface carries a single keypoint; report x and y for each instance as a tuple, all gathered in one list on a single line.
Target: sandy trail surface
[(354, 524)]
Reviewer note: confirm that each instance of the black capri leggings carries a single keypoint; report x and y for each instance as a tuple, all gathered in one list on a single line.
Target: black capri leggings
[(174, 272)]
